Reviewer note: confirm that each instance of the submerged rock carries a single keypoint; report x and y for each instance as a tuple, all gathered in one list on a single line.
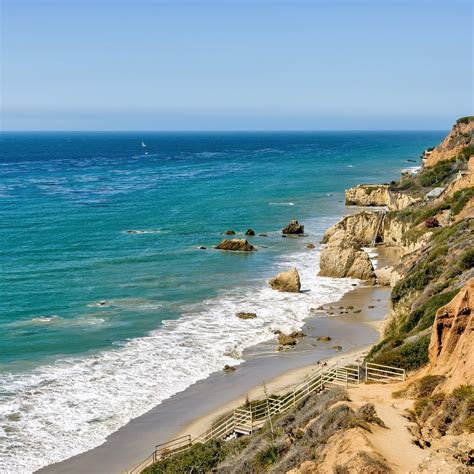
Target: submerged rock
[(287, 281), (310, 246), (229, 368), (229, 232), (324, 338), (250, 232), (293, 228), (244, 315), (236, 245)]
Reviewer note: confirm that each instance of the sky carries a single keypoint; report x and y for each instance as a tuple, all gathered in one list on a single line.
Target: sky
[(235, 64)]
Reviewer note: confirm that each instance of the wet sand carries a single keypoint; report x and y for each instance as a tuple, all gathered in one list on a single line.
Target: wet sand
[(192, 410)]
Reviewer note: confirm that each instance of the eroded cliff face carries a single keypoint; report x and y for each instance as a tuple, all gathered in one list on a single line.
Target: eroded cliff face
[(452, 340), (378, 195), (460, 137), (361, 227), (344, 258)]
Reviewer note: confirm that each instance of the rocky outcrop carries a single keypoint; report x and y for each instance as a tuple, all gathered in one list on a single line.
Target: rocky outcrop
[(229, 232), (460, 137), (378, 195), (250, 232), (367, 195), (361, 227), (293, 228), (287, 281), (344, 258), (236, 245), (452, 339), (245, 315)]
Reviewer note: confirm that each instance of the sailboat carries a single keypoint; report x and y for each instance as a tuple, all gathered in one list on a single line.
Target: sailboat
[(143, 144)]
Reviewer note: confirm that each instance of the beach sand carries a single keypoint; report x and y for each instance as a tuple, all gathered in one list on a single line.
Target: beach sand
[(193, 410)]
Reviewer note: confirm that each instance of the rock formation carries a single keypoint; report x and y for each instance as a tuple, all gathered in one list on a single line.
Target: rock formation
[(378, 195), (293, 228), (287, 281), (244, 315), (452, 339), (250, 232), (460, 137), (229, 232), (344, 258), (236, 245), (361, 227)]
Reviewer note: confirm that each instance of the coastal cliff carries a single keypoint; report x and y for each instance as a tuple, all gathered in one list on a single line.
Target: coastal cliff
[(458, 140), (378, 195)]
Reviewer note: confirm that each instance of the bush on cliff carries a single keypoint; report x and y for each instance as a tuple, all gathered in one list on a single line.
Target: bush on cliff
[(410, 355), (423, 316)]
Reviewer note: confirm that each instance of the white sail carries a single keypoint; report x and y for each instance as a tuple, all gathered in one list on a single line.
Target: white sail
[(143, 144)]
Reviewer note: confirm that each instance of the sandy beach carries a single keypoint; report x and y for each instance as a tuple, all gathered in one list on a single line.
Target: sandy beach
[(194, 409)]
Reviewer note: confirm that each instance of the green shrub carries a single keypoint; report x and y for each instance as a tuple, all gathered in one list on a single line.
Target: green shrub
[(409, 356), (460, 199), (466, 261), (466, 153), (423, 316), (466, 119), (199, 458), (417, 279), (436, 175)]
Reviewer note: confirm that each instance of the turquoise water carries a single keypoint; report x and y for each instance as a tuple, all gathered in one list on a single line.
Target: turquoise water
[(87, 306)]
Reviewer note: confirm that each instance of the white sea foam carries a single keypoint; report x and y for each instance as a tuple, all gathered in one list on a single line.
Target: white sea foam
[(281, 203), (62, 409)]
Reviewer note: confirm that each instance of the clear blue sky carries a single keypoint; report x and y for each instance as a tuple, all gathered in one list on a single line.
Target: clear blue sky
[(235, 64)]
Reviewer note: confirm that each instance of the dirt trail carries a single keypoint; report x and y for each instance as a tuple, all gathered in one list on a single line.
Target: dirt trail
[(395, 443)]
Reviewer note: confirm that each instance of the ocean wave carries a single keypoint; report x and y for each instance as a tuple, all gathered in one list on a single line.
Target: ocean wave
[(281, 203), (85, 399), (142, 231)]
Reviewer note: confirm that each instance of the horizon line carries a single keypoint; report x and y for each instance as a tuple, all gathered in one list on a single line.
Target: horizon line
[(231, 130)]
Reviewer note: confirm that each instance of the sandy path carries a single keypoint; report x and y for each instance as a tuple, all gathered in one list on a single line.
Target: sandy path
[(395, 443)]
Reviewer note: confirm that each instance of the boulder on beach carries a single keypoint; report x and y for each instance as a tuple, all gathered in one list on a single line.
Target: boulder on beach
[(290, 339), (250, 232), (324, 338), (236, 245), (229, 368), (287, 281), (229, 232), (293, 228), (244, 315)]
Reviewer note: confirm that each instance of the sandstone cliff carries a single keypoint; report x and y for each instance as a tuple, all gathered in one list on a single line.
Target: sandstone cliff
[(460, 137), (361, 227), (452, 340), (378, 195), (344, 258)]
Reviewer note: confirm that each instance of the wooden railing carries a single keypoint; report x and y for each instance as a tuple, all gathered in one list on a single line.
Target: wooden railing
[(383, 373), (247, 420)]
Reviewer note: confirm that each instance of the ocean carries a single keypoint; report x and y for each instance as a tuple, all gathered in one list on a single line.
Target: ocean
[(108, 305)]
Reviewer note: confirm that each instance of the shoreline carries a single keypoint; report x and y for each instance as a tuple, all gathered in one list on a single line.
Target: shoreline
[(193, 410)]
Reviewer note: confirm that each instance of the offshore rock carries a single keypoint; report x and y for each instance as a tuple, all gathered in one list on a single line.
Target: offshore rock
[(287, 281), (293, 228), (236, 245)]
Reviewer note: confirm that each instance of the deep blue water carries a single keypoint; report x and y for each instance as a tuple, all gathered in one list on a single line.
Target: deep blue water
[(67, 201)]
